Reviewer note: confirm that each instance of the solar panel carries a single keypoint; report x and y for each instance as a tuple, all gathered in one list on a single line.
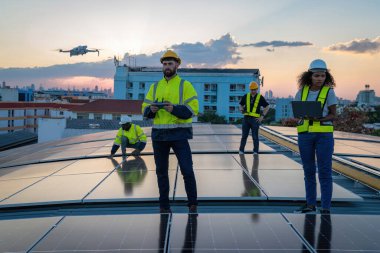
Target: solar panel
[(373, 162), (225, 129), (34, 170), (10, 187), (234, 147), (232, 232), (215, 162), (221, 185), (90, 166), (267, 162), (344, 149), (339, 233), (19, 235), (207, 147), (56, 189), (289, 185), (107, 233), (80, 153), (134, 185)]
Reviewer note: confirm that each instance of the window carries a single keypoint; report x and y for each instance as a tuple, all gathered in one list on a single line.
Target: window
[(60, 112), (129, 96), (98, 116), (116, 117), (46, 112), (234, 109), (129, 85), (240, 87), (141, 96), (142, 85), (232, 87), (208, 108), (214, 87), (207, 98), (213, 99), (232, 99), (207, 87), (81, 115)]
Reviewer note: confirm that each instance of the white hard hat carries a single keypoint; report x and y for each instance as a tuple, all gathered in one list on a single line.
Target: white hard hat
[(318, 65), (125, 119)]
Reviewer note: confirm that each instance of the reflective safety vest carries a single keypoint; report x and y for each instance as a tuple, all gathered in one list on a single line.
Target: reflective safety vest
[(176, 91), (134, 135), (315, 126), (249, 111)]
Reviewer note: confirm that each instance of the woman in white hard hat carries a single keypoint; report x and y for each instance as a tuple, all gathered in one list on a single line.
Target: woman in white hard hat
[(315, 135)]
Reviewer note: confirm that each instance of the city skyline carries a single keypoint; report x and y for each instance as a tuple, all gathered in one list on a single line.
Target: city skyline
[(279, 38)]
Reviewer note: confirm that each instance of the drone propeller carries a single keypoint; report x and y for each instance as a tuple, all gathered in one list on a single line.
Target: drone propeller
[(95, 50)]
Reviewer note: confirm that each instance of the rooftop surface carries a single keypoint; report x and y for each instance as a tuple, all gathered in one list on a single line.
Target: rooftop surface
[(66, 196)]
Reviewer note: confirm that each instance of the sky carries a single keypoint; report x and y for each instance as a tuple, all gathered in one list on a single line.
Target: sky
[(278, 37)]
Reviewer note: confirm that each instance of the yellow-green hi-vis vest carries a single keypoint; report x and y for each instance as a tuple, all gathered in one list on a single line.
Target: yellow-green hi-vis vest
[(134, 135), (316, 126), (249, 111), (177, 91)]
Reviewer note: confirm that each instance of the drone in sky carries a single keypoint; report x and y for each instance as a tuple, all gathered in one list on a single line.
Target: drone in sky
[(79, 50)]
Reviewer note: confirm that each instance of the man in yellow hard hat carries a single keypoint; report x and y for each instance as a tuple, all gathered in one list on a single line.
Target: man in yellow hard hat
[(171, 103), (250, 105)]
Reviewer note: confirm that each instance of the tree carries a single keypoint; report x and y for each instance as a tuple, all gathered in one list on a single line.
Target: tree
[(289, 122), (352, 120), (374, 116), (212, 117)]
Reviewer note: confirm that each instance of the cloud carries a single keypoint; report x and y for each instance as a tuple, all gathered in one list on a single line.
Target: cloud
[(211, 54), (357, 46), (103, 69), (278, 43), (214, 53)]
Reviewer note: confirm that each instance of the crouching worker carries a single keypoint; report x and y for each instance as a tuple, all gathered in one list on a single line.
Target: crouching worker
[(129, 136)]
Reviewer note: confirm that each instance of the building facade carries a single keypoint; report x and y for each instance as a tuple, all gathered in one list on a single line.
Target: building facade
[(219, 90), (108, 109), (367, 97), (8, 94), (283, 108), (15, 116)]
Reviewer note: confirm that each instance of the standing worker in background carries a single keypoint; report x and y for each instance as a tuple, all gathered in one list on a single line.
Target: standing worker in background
[(171, 103), (315, 136), (129, 136), (250, 105)]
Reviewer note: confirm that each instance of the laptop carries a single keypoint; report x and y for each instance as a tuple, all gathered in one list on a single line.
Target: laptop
[(306, 109)]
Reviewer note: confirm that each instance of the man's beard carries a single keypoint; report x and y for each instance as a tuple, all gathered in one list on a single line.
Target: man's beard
[(169, 72)]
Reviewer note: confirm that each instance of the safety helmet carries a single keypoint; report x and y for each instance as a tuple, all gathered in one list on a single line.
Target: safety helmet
[(253, 85), (170, 54), (125, 119), (318, 65)]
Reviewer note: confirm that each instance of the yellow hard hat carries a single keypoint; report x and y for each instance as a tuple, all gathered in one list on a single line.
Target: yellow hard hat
[(253, 86), (170, 54)]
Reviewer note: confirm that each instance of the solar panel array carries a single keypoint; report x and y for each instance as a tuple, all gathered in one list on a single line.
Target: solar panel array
[(359, 148), (76, 171)]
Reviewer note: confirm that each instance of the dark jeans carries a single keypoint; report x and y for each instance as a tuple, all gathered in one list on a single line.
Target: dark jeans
[(250, 123), (125, 144), (322, 146), (182, 150)]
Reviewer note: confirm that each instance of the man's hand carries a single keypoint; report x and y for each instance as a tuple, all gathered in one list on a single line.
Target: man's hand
[(168, 107), (153, 108), (136, 152), (260, 119)]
